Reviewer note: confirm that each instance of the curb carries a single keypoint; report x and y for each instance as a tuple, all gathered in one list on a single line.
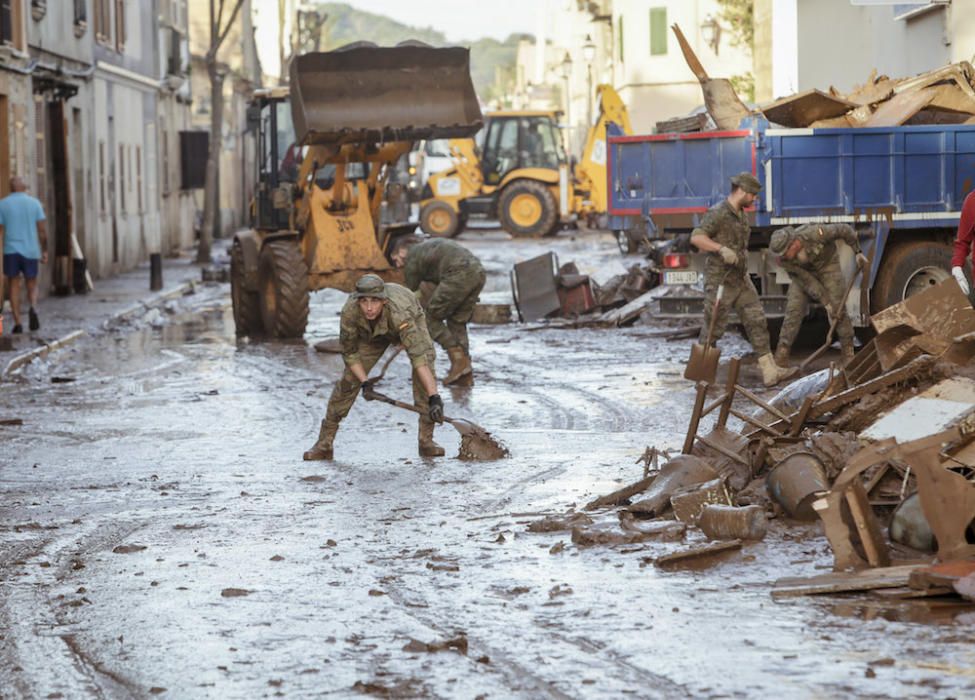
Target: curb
[(26, 358)]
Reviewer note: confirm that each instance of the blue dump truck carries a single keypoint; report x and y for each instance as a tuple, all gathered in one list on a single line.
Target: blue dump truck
[(900, 187)]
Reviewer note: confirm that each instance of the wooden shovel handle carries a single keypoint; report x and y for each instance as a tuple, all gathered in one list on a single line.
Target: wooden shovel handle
[(714, 315), (693, 62)]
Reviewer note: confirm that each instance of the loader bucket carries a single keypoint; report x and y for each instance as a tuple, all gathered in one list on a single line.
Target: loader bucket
[(367, 93)]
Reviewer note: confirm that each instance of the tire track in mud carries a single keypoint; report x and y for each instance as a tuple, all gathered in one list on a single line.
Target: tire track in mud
[(39, 639), (515, 674)]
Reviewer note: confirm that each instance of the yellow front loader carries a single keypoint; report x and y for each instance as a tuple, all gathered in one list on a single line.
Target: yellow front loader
[(325, 148), (520, 174)]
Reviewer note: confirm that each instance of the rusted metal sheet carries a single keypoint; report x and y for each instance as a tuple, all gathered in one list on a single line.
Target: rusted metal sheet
[(804, 108), (369, 93)]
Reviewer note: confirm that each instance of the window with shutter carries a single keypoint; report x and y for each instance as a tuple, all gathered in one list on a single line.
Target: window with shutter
[(193, 149), (40, 148), (120, 25), (658, 31)]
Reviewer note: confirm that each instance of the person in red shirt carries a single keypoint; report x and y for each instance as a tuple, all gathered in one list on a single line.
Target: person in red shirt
[(963, 242)]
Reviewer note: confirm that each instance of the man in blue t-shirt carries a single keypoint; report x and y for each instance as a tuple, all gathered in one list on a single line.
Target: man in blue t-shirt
[(22, 222)]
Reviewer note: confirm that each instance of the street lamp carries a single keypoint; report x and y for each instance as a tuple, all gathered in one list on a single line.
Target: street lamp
[(566, 72), (589, 54), (711, 32)]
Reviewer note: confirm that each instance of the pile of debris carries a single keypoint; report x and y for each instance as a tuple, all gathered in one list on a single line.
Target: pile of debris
[(942, 96), (543, 289), (889, 437)]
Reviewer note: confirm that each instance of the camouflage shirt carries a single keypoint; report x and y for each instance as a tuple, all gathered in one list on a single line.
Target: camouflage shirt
[(431, 261), (401, 323), (722, 224), (819, 242)]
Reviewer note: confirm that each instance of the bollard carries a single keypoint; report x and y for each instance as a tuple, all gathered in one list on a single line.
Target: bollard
[(720, 522), (155, 272)]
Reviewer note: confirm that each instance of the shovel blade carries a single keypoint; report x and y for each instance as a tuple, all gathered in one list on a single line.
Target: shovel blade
[(702, 366)]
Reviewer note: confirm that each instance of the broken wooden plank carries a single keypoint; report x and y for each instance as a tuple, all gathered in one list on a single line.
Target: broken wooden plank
[(842, 582), (867, 526), (900, 108), (706, 550), (909, 593), (941, 575), (714, 445), (804, 108)]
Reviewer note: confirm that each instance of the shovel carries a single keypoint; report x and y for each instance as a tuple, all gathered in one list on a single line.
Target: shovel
[(703, 363), (832, 326), (475, 442)]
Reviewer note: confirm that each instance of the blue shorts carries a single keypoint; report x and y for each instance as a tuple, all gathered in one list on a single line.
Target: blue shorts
[(15, 263)]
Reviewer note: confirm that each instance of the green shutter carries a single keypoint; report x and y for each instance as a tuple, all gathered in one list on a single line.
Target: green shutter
[(619, 31), (658, 31)]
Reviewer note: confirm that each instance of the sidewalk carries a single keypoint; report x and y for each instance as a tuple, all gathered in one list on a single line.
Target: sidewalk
[(66, 319)]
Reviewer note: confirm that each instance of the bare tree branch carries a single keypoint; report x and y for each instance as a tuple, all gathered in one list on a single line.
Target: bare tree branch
[(230, 23)]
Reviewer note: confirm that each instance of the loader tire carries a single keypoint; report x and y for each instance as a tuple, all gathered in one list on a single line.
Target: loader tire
[(528, 208), (247, 305), (283, 283), (909, 268), (440, 220)]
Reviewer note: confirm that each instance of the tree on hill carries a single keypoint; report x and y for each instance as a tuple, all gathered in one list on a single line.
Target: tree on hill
[(492, 61)]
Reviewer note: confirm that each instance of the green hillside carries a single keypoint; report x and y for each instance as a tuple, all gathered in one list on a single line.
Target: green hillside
[(492, 61)]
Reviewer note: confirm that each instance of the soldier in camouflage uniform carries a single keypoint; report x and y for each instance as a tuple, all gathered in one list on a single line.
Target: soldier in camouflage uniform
[(808, 253), (724, 232), (376, 316), (459, 279)]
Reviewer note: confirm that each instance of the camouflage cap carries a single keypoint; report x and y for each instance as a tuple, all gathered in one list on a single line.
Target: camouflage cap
[(781, 240), (371, 286), (747, 182)]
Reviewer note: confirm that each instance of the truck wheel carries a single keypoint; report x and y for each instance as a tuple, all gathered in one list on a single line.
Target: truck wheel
[(283, 283), (247, 305), (626, 244), (439, 219), (527, 208), (909, 268)]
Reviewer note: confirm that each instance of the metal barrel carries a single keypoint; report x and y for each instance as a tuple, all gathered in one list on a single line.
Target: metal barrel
[(721, 522), (364, 93), (796, 482)]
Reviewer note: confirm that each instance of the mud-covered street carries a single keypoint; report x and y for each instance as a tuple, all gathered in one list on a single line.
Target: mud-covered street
[(161, 536)]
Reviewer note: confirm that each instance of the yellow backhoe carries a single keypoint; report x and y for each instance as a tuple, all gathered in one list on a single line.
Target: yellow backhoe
[(520, 174), (326, 145)]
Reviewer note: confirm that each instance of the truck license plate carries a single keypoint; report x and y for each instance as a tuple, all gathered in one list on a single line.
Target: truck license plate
[(680, 277)]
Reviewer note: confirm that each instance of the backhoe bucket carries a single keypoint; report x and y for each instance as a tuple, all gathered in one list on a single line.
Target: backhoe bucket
[(365, 93)]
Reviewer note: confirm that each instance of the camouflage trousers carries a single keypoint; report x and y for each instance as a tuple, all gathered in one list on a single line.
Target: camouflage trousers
[(739, 294), (452, 304), (799, 297), (346, 389)]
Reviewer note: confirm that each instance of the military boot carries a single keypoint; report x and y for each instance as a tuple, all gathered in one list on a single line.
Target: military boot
[(460, 364), (428, 448), (772, 374), (322, 449), (847, 350), (464, 381), (782, 357)]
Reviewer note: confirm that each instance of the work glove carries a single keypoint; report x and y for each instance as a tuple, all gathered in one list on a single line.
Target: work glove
[(959, 275), (862, 261), (729, 256), (367, 387), (435, 410)]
